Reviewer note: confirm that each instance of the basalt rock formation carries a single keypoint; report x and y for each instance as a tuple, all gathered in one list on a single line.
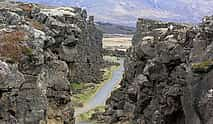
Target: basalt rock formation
[(42, 50), (168, 76), (200, 84)]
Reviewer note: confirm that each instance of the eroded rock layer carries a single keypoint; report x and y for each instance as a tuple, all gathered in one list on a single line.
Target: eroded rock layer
[(168, 76), (42, 50)]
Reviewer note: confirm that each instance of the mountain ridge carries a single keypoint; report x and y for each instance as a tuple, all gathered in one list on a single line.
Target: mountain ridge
[(112, 28), (126, 12)]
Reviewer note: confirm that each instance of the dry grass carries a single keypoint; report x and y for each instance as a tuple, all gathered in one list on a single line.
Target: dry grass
[(117, 42), (10, 45), (35, 24), (88, 115), (26, 7), (204, 66)]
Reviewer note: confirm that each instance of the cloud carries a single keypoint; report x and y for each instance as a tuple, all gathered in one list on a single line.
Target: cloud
[(120, 11), (155, 13), (124, 11)]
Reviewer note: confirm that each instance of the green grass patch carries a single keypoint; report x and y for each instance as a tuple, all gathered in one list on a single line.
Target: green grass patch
[(88, 115), (108, 72), (85, 94), (85, 91), (77, 86)]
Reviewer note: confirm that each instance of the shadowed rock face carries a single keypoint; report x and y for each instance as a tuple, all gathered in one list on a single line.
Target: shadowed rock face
[(42, 50), (201, 60), (167, 76)]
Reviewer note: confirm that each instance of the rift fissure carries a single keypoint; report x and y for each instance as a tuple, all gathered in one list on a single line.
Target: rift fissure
[(168, 76)]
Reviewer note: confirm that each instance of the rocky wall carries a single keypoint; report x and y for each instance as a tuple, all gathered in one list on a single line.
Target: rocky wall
[(42, 50), (168, 76)]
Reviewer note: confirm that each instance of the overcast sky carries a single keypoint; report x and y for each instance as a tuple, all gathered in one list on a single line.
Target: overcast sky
[(127, 11)]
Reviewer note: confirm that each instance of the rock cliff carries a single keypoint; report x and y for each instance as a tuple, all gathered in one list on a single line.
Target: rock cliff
[(168, 76), (42, 50)]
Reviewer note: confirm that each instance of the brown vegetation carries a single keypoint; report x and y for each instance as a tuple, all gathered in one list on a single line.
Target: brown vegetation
[(11, 46), (26, 7), (36, 24)]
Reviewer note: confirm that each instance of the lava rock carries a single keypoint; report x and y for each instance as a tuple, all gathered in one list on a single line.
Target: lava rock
[(42, 51), (167, 76)]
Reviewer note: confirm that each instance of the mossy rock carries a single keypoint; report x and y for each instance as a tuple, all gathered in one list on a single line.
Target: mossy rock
[(202, 67)]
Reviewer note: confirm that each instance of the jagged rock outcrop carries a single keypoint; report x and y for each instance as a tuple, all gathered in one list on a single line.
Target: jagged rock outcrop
[(42, 50), (201, 82), (167, 76), (148, 27)]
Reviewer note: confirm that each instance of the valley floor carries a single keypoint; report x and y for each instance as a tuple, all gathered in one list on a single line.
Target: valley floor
[(117, 42), (95, 102)]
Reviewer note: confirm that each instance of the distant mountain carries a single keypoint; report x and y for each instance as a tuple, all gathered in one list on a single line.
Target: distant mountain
[(109, 28), (126, 12)]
